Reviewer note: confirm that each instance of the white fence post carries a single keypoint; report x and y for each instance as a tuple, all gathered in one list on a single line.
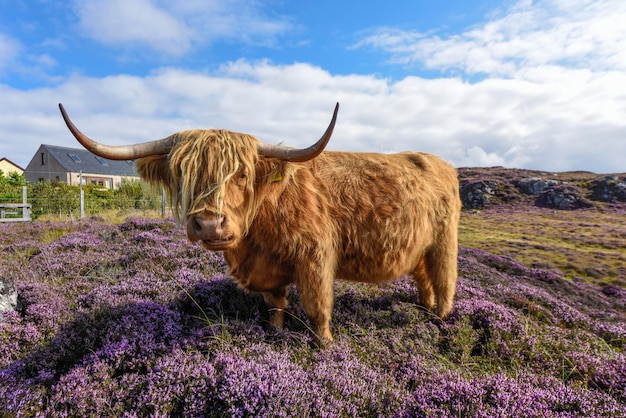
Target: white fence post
[(26, 207), (163, 203), (14, 209), (82, 194)]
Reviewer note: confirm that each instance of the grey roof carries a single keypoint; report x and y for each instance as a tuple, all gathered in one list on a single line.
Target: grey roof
[(79, 159)]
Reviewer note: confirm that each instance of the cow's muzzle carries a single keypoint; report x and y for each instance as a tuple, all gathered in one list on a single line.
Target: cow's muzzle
[(212, 230)]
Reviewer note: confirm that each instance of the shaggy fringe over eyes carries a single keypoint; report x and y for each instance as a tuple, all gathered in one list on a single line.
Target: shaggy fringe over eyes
[(202, 163)]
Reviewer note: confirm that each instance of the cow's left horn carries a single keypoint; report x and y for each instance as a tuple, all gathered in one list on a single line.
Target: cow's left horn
[(300, 155), (124, 152)]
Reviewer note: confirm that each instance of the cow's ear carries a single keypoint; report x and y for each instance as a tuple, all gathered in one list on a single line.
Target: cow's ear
[(269, 171), (154, 169)]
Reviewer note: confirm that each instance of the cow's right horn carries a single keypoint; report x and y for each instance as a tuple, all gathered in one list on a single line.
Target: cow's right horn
[(300, 155), (124, 152)]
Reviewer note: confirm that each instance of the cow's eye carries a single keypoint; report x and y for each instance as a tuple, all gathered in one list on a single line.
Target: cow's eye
[(243, 178)]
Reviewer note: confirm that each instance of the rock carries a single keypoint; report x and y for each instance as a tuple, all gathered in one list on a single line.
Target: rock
[(608, 189), (535, 185), (562, 197), (620, 191), (8, 296), (476, 194)]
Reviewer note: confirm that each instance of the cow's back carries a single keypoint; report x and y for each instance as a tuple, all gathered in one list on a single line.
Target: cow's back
[(386, 209)]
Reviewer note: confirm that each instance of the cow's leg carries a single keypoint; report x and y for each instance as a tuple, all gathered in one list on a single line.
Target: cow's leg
[(441, 263), (276, 302), (315, 286), (317, 301), (425, 290)]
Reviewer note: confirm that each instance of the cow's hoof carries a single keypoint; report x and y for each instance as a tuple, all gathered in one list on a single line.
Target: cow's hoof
[(322, 343)]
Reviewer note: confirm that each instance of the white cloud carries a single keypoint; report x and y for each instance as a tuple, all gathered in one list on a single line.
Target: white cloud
[(175, 27), (118, 22), (569, 33), (476, 156), (553, 97), (9, 50), (15, 58), (576, 124)]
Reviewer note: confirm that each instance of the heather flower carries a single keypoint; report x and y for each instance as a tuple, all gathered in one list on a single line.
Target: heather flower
[(17, 336), (180, 383), (144, 286), (219, 298), (134, 320), (85, 389), (614, 291), (146, 224), (450, 395)]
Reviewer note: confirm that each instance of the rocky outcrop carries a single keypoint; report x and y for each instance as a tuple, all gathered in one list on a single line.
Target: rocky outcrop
[(563, 197), (490, 187), (608, 189), (8, 296), (477, 194), (535, 185)]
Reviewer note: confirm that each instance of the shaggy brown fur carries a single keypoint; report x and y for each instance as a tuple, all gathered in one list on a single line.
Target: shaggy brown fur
[(354, 216)]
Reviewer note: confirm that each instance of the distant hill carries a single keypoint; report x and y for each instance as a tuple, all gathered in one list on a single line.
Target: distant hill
[(482, 188)]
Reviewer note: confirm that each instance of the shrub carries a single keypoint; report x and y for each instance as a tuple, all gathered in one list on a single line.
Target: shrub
[(134, 320)]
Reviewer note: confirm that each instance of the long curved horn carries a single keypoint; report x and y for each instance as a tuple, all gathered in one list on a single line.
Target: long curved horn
[(300, 155), (124, 152)]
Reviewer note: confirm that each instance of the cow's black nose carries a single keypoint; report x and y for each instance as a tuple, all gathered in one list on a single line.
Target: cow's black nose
[(207, 228)]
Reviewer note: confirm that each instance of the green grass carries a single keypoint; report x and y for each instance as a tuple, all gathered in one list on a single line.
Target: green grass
[(587, 244)]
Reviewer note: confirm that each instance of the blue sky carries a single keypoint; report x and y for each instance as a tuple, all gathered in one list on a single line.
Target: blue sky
[(529, 84)]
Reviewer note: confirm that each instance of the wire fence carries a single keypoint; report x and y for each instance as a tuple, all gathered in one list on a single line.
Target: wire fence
[(70, 201), (65, 207)]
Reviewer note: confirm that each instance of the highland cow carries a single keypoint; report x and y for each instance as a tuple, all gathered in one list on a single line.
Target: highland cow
[(287, 216)]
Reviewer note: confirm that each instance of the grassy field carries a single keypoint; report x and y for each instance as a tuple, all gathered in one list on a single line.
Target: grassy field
[(585, 244), (124, 317)]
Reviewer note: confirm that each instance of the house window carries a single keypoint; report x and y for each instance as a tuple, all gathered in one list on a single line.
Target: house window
[(43, 158), (98, 181), (101, 160), (74, 157)]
